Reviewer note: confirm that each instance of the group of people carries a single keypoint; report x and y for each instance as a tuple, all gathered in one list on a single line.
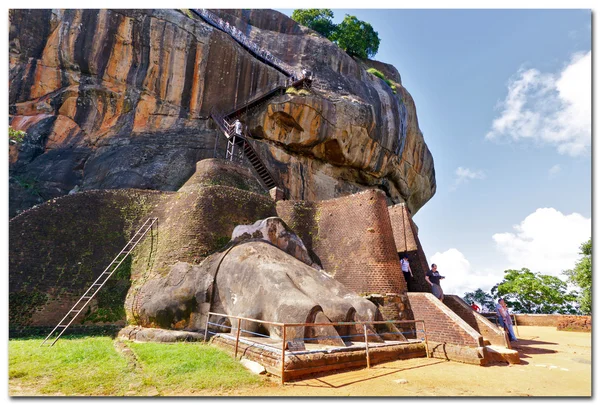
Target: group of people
[(504, 318), (432, 277), (239, 36)]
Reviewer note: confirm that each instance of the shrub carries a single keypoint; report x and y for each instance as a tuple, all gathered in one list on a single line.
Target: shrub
[(377, 73), (15, 136)]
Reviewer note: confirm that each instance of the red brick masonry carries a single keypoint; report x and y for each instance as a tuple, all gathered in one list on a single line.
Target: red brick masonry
[(478, 322), (449, 336), (353, 238), (407, 243)]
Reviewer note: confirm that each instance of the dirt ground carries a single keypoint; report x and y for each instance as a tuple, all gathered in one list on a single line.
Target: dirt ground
[(553, 363)]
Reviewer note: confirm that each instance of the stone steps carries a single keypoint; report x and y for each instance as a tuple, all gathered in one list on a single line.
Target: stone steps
[(495, 353)]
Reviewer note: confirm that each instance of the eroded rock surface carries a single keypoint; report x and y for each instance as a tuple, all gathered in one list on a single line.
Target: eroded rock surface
[(121, 98), (253, 280), (275, 231)]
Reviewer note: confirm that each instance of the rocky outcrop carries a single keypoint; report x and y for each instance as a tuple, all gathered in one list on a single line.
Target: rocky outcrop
[(121, 98), (276, 232)]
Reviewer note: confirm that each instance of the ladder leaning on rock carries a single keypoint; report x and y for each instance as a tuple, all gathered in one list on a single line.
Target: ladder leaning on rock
[(91, 292)]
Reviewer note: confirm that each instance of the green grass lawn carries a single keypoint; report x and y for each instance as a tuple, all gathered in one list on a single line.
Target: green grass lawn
[(93, 366)]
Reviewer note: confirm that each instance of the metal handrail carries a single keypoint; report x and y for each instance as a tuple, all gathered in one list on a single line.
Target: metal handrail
[(284, 326)]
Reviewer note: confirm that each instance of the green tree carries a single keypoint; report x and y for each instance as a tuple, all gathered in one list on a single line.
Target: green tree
[(581, 276), (356, 37), (535, 293), (318, 19), (485, 300)]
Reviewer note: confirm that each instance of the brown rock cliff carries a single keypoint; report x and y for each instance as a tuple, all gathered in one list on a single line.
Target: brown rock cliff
[(121, 98)]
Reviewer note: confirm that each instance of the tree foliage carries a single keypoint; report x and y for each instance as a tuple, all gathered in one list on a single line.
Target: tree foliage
[(317, 19), (535, 293), (480, 297), (581, 276), (15, 136), (356, 37)]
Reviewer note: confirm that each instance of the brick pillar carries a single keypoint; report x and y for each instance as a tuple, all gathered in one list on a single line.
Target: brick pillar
[(277, 194)]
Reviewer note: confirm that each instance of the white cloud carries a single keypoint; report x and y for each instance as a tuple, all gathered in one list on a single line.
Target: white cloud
[(464, 175), (547, 108), (554, 170), (546, 241), (460, 278)]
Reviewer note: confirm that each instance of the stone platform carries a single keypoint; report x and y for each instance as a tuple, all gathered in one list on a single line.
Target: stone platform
[(318, 358)]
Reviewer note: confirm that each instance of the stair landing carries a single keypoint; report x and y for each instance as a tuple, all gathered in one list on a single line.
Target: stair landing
[(495, 353)]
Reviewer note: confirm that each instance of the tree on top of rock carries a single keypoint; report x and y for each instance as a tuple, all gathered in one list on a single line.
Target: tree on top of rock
[(316, 19), (356, 37)]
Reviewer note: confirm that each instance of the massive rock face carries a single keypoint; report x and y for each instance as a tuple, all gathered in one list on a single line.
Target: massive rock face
[(121, 99)]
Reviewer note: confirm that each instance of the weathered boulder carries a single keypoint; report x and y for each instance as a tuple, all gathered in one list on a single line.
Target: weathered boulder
[(169, 301), (275, 231), (257, 280), (121, 99), (141, 334)]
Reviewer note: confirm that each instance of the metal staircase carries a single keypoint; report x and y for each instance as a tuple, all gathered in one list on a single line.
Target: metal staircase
[(260, 53), (91, 292), (238, 146)]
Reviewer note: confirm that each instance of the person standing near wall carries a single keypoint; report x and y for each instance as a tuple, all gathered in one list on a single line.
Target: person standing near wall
[(406, 271), (504, 319), (508, 322), (474, 306), (433, 278)]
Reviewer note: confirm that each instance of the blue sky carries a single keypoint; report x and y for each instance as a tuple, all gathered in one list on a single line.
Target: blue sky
[(528, 71)]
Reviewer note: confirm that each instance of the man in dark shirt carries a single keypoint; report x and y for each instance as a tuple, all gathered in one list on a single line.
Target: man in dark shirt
[(433, 278)]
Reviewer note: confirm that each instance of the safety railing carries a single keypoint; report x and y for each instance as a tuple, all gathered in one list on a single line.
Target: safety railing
[(282, 346), (243, 39)]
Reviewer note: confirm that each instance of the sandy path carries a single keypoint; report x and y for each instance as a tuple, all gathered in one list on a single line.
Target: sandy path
[(553, 363)]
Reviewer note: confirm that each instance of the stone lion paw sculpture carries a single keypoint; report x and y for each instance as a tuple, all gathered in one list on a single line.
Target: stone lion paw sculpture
[(254, 277)]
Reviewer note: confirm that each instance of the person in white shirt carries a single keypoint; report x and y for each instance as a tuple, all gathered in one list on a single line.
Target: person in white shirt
[(406, 270), (237, 127)]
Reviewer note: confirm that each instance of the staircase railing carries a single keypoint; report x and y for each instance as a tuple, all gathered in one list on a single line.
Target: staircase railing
[(243, 40)]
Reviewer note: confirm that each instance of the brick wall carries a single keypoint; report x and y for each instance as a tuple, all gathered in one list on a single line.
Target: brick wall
[(449, 336), (542, 319), (353, 238), (407, 243), (221, 172), (488, 330), (58, 248)]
